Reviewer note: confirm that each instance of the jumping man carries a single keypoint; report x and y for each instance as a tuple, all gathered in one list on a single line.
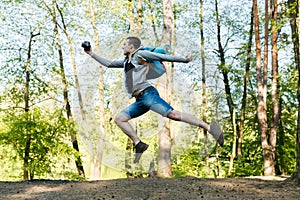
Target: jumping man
[(146, 96)]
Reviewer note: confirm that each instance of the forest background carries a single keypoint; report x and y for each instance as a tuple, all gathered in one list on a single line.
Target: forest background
[(58, 104)]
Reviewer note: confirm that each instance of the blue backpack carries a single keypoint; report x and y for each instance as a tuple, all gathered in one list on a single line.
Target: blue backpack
[(156, 68)]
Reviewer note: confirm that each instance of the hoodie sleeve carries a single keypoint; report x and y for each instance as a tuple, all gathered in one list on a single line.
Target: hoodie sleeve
[(108, 63), (149, 56)]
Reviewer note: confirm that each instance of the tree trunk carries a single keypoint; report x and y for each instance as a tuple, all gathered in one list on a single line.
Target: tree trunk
[(28, 135), (67, 105), (222, 65), (225, 71), (100, 145), (261, 108), (233, 151), (78, 160), (148, 2), (275, 85), (266, 57), (26, 100), (131, 17), (204, 101), (245, 92), (129, 143), (139, 17), (173, 49), (268, 154), (294, 22), (164, 152)]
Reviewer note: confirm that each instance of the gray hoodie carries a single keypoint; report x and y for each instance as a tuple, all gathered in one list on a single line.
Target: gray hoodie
[(135, 79)]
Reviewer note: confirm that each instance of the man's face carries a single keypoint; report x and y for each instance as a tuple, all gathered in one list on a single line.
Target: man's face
[(127, 48)]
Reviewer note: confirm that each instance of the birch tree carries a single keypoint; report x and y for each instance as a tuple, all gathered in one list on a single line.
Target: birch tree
[(225, 72), (203, 73), (26, 108), (96, 159), (245, 90), (75, 143), (165, 140), (67, 104)]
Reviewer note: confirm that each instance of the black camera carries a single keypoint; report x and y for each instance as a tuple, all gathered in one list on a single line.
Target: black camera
[(86, 45)]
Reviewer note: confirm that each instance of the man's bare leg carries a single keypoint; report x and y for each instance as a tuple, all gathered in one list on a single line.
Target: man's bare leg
[(122, 121), (213, 129), (188, 118)]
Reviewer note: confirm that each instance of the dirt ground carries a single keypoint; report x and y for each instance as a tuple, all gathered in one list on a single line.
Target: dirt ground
[(153, 188)]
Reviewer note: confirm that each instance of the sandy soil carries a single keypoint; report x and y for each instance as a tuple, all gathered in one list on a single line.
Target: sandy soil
[(152, 188)]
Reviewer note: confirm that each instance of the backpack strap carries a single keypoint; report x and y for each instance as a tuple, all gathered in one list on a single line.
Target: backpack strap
[(140, 59)]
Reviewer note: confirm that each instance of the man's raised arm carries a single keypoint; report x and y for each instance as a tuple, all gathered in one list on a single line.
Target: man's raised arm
[(103, 61), (151, 56)]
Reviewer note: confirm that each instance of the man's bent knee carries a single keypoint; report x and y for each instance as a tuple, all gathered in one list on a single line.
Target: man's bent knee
[(121, 117)]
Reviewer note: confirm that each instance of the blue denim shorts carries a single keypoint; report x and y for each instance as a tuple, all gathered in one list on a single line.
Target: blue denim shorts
[(148, 100)]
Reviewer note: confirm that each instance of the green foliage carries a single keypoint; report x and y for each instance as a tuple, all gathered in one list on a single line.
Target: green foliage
[(286, 137), (10, 166), (251, 162), (194, 162), (188, 164), (47, 133), (286, 153)]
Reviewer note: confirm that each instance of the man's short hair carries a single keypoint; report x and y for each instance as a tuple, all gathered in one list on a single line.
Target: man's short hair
[(135, 41)]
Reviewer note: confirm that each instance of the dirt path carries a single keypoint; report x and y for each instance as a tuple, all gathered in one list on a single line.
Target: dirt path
[(152, 188)]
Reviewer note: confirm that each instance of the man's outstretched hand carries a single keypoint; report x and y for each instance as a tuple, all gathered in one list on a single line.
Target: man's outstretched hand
[(90, 52), (87, 47)]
